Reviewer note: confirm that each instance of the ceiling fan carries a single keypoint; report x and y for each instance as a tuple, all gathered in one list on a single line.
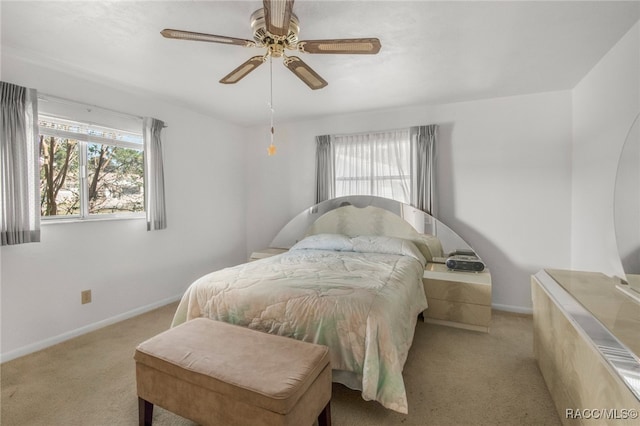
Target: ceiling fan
[(275, 28)]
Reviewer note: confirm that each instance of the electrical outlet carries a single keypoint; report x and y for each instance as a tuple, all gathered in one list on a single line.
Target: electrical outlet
[(85, 296)]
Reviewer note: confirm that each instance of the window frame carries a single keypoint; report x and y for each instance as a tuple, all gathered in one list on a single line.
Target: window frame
[(90, 134)]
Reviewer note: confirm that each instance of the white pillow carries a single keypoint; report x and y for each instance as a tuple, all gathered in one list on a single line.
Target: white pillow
[(335, 242), (387, 245)]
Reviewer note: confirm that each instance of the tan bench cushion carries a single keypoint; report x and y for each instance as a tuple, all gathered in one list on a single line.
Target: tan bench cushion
[(268, 371)]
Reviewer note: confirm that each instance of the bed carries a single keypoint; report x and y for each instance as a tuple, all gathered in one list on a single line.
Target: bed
[(352, 282)]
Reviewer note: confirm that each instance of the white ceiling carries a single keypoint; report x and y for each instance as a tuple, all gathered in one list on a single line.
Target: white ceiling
[(432, 52)]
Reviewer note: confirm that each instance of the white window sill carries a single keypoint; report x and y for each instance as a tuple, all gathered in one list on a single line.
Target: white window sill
[(102, 218)]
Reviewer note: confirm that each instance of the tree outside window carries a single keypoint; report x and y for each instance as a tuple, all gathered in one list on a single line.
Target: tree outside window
[(80, 178)]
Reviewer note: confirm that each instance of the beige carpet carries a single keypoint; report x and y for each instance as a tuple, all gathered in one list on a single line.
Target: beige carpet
[(453, 377)]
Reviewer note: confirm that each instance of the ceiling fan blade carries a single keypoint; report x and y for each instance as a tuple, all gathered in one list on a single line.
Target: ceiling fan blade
[(244, 69), (304, 72), (277, 15), (189, 35), (364, 46)]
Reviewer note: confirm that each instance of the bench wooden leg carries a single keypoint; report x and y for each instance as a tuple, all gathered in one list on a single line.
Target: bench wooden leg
[(145, 412), (324, 419)]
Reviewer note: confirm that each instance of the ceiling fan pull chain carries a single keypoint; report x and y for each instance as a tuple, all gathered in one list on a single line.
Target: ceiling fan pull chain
[(272, 148)]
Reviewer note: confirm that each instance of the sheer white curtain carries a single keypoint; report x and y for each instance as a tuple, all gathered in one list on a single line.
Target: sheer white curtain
[(378, 163), (19, 167), (154, 174)]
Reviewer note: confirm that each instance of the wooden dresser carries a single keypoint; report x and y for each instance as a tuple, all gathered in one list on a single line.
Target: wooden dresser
[(587, 344)]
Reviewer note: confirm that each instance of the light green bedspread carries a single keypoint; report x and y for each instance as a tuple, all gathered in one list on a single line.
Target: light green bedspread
[(363, 306)]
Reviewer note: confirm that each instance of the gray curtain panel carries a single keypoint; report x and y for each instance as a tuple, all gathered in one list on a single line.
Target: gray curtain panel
[(325, 171), (19, 166), (155, 208), (425, 138)]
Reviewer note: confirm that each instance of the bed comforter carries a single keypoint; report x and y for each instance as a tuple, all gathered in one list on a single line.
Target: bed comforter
[(362, 301)]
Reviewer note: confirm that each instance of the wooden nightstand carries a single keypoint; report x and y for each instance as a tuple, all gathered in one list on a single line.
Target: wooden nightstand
[(457, 299), (267, 252)]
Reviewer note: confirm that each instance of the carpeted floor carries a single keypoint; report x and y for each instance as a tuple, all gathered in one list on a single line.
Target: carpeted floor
[(453, 377)]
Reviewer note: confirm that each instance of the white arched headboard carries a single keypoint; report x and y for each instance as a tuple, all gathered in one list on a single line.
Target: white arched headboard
[(358, 218)]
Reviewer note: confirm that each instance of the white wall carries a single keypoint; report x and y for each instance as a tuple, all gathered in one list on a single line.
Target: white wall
[(127, 268), (605, 104), (504, 170)]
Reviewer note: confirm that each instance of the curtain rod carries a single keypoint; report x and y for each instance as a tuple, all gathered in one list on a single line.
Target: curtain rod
[(46, 97), (402, 129)]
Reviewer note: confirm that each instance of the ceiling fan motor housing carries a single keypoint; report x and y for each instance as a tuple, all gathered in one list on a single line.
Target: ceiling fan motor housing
[(275, 44)]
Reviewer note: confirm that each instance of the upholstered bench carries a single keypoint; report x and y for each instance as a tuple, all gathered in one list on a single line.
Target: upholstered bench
[(214, 373)]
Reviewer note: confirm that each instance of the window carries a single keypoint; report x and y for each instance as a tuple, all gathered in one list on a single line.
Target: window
[(89, 171), (398, 164), (377, 164)]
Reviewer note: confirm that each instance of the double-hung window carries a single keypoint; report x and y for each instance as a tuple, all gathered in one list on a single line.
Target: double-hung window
[(377, 163), (89, 171)]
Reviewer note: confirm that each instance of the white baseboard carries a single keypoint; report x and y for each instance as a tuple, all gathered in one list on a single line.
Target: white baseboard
[(510, 308), (34, 347)]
